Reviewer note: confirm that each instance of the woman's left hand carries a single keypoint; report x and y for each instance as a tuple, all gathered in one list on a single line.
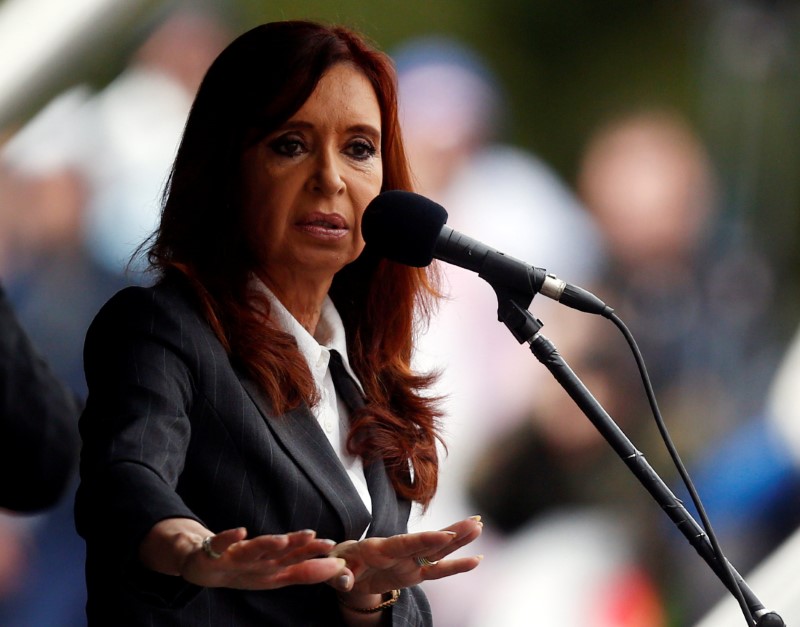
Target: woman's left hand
[(382, 564)]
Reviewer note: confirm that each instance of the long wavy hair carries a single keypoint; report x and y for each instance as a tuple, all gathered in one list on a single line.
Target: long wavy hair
[(257, 83)]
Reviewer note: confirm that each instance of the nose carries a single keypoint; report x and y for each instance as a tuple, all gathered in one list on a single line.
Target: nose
[(327, 176)]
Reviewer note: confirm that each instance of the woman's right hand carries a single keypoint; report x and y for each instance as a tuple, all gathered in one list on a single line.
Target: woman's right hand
[(175, 547)]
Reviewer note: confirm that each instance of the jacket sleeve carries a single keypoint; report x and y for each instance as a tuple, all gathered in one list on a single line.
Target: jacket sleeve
[(412, 609), (135, 427), (38, 423)]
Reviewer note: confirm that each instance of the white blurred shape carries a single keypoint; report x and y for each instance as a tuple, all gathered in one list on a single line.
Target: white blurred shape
[(39, 38)]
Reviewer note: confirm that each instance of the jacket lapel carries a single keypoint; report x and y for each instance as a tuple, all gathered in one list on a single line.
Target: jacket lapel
[(387, 511), (304, 440)]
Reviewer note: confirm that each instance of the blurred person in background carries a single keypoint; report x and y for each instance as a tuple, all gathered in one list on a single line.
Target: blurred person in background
[(38, 434), (687, 295), (130, 131), (54, 283), (38, 443), (81, 183), (83, 177), (696, 301), (453, 113), (55, 287)]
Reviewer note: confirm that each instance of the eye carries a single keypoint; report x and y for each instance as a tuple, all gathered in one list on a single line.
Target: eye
[(288, 146), (361, 149)]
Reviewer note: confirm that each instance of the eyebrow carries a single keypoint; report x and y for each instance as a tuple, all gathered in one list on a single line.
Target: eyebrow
[(367, 129)]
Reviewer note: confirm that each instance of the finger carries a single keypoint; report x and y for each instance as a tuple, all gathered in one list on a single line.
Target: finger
[(253, 549), (299, 538), (222, 541), (382, 553), (417, 544), (447, 568), (466, 527), (293, 541), (273, 545), (317, 570), (342, 547), (283, 548), (314, 549), (467, 531), (305, 544), (343, 581)]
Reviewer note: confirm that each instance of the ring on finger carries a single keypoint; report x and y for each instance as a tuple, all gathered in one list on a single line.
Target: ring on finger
[(424, 561), (208, 550)]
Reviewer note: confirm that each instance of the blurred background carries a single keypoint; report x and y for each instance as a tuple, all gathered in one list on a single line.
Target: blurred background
[(646, 150)]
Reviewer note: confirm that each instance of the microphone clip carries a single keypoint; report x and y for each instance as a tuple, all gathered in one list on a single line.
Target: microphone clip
[(512, 311)]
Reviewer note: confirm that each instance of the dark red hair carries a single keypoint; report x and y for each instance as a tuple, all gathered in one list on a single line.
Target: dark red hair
[(258, 82)]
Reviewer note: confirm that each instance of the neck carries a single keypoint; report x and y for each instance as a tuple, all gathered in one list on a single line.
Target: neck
[(302, 298)]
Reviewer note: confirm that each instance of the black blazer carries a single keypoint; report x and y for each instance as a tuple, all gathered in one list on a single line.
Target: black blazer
[(172, 429)]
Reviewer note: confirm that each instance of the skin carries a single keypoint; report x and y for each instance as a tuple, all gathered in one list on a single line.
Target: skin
[(304, 189)]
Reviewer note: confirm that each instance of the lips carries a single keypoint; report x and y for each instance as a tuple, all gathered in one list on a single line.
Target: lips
[(324, 220), (324, 226)]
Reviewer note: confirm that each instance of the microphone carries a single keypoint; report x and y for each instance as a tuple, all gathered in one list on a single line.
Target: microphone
[(410, 229)]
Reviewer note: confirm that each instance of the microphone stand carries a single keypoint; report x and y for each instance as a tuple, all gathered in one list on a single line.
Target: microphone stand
[(526, 328)]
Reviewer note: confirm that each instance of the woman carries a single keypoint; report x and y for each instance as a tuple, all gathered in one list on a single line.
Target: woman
[(217, 487)]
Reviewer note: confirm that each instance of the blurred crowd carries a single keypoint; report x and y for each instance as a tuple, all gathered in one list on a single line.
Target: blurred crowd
[(80, 187), (570, 538)]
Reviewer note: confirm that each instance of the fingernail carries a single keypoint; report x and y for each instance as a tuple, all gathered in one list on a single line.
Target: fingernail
[(343, 582), (476, 518), (480, 557), (451, 533), (307, 532), (341, 563), (329, 542)]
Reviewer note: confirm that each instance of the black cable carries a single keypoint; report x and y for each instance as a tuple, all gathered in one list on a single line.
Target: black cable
[(733, 583)]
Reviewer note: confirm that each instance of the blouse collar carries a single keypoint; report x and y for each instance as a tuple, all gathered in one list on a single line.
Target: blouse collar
[(329, 334)]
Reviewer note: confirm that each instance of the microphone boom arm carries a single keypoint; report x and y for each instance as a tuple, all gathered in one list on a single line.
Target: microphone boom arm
[(526, 328)]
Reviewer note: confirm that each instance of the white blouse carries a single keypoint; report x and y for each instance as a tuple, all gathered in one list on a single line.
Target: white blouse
[(331, 412)]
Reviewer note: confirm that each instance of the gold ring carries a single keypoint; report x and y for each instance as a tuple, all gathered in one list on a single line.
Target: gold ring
[(208, 550), (424, 561)]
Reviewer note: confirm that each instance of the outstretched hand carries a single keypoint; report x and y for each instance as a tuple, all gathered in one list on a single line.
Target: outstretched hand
[(366, 567), (263, 562), (382, 564), (230, 559)]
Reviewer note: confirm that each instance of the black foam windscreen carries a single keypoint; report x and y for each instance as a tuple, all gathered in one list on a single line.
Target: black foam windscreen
[(403, 226)]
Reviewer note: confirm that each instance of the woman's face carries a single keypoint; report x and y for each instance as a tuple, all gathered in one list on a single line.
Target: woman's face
[(306, 185)]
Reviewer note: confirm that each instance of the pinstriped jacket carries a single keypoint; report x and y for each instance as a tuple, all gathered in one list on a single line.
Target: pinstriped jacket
[(172, 429)]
